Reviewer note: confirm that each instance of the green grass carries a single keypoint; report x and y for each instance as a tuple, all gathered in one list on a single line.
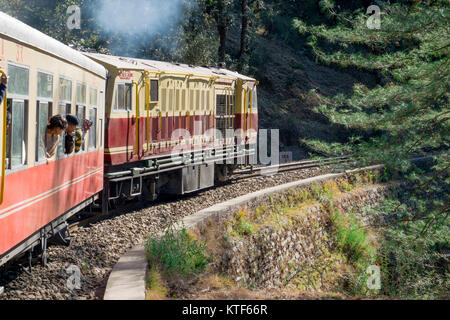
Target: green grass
[(177, 253), (352, 238)]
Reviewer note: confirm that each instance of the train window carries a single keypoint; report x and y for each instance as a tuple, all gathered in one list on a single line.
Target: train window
[(177, 106), (171, 98), (81, 115), (18, 83), (63, 109), (17, 110), (255, 99), (93, 130), (43, 111), (45, 85), (93, 100), (197, 99), (43, 114), (183, 99), (123, 96), (93, 97), (203, 100), (101, 109), (154, 87), (65, 90), (17, 133), (164, 100), (65, 98), (191, 99), (81, 93)]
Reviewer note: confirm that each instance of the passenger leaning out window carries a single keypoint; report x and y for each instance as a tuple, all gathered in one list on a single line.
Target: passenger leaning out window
[(74, 135), (3, 85), (55, 127)]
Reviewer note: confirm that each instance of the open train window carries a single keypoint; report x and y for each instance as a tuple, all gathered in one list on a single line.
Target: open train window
[(154, 89), (17, 116), (81, 115), (93, 131), (100, 116), (44, 108), (80, 109), (93, 102), (123, 96)]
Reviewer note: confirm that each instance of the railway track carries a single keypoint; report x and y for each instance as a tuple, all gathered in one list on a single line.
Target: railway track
[(291, 166), (238, 175)]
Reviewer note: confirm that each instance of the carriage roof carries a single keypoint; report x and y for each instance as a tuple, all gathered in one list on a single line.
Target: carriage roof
[(166, 67), (19, 31)]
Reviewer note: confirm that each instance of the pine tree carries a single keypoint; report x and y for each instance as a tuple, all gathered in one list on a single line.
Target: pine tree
[(407, 113)]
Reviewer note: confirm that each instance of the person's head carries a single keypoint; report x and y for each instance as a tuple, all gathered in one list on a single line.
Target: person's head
[(56, 125), (72, 123)]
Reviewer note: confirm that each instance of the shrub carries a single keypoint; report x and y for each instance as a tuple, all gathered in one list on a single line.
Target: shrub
[(178, 253), (352, 238)]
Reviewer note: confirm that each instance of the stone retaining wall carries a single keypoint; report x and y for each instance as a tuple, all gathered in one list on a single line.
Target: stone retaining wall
[(266, 257)]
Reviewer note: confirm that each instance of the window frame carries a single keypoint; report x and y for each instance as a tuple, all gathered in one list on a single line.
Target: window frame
[(96, 107), (83, 148), (116, 95), (85, 103), (157, 90), (50, 104), (26, 104)]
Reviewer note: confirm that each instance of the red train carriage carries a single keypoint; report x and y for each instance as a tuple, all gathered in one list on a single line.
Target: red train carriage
[(170, 128), (45, 78), (173, 128)]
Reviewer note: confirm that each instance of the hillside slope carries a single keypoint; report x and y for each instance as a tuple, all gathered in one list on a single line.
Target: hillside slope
[(286, 76)]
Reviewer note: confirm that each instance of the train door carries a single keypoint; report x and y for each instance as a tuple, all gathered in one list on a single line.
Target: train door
[(3, 128)]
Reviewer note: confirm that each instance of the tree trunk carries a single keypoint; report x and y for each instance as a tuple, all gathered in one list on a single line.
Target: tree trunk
[(222, 29), (244, 33)]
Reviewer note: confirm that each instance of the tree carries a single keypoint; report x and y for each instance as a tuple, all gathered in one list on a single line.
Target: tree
[(219, 11), (244, 34), (407, 113)]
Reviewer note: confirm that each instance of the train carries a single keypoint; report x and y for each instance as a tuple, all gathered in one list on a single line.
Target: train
[(157, 128)]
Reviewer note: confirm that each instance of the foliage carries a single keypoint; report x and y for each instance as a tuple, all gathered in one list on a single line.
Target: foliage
[(414, 264), (407, 113), (352, 239), (241, 227), (178, 253)]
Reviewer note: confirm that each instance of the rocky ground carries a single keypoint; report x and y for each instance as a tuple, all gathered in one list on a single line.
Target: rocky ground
[(96, 249)]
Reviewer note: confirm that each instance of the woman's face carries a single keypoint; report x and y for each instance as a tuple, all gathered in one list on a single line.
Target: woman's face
[(59, 131), (56, 131)]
